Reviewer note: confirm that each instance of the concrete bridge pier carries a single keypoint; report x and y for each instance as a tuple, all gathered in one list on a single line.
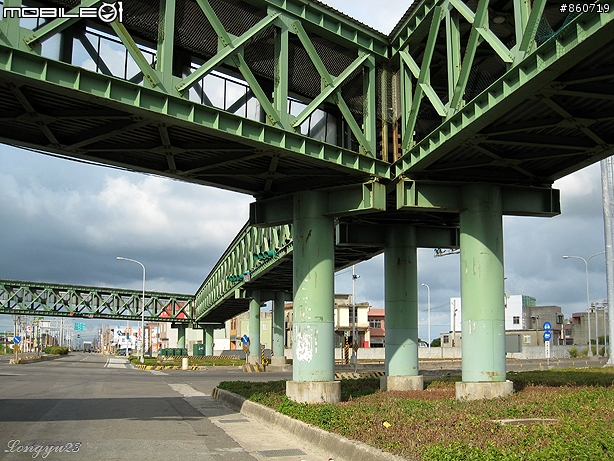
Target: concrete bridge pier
[(181, 336), (279, 302), (313, 329), (208, 339), (482, 292), (401, 292), (254, 329)]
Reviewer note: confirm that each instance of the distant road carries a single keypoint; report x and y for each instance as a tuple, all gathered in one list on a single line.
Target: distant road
[(98, 407)]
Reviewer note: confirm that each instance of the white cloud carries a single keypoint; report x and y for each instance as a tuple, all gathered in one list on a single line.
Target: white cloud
[(382, 17)]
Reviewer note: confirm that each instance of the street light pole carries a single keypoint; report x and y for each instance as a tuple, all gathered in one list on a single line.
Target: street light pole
[(142, 310), (354, 332), (428, 308), (588, 302)]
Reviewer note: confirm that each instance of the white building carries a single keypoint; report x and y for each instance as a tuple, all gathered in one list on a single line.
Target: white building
[(515, 313)]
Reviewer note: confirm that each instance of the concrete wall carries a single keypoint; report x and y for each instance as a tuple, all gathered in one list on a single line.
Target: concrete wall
[(378, 353), (538, 352)]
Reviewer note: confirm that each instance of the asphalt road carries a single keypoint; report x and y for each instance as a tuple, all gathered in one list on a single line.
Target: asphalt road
[(95, 407)]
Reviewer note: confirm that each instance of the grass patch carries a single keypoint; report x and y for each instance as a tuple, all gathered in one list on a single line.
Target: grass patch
[(433, 425)]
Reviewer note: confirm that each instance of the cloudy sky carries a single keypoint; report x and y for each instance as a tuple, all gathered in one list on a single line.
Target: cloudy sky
[(66, 222)]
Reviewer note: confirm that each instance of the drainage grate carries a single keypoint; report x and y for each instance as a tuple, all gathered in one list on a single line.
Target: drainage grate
[(233, 420), (277, 453)]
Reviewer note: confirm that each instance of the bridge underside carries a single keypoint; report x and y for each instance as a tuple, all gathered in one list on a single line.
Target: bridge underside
[(559, 128), (76, 125)]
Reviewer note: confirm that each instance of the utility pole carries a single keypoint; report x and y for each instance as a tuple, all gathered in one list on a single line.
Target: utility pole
[(354, 332)]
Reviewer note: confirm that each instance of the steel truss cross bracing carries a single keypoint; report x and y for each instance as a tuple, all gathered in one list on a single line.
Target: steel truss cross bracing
[(19, 298)]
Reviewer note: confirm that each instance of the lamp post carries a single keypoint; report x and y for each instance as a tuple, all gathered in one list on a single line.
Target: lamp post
[(588, 303), (142, 311), (354, 332), (428, 308)]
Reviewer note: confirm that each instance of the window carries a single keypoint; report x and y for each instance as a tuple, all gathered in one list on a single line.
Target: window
[(516, 320), (446, 339), (375, 323), (526, 339)]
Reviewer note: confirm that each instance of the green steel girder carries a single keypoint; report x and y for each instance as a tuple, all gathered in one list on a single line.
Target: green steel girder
[(581, 37), (355, 235), (235, 53), (328, 80), (447, 197), (328, 91), (156, 107), (342, 201), (57, 25), (32, 298), (323, 21), (150, 74), (416, 36), (230, 47), (237, 259), (332, 25)]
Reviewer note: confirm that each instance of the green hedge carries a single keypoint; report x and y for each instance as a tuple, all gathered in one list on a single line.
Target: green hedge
[(55, 350)]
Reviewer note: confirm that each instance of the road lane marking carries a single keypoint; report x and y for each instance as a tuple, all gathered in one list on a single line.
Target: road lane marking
[(116, 362), (186, 390)]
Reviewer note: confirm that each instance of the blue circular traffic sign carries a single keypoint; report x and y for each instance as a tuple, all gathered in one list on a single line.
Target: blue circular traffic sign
[(547, 326), (16, 339), (547, 335)]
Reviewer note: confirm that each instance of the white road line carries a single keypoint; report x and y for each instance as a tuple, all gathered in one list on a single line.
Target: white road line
[(187, 391), (116, 362)]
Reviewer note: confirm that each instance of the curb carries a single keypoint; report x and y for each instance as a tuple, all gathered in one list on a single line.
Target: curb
[(164, 367), (329, 444), (358, 375), (254, 368), (33, 359)]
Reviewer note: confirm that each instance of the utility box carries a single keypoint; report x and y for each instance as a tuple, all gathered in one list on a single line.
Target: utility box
[(198, 350)]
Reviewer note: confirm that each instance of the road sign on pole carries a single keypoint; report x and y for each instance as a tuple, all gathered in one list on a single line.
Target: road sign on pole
[(16, 339), (547, 326), (547, 335)]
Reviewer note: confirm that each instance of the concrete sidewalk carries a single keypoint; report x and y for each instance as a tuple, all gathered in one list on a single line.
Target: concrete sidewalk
[(328, 445)]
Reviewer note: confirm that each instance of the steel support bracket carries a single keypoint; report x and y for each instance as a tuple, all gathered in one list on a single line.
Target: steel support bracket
[(348, 234), (203, 325), (446, 197), (342, 201)]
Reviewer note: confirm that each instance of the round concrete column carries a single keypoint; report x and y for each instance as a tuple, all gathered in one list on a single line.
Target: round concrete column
[(181, 336), (254, 330), (401, 291), (278, 326), (208, 340), (313, 367), (482, 304)]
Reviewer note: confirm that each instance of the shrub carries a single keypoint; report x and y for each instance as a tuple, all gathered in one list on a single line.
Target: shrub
[(573, 352), (55, 350)]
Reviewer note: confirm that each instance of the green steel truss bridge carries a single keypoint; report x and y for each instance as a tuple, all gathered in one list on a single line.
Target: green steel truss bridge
[(352, 142), (29, 298)]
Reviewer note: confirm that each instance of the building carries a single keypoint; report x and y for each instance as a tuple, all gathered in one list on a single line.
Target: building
[(166, 337), (522, 317), (343, 317), (576, 331), (377, 328)]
